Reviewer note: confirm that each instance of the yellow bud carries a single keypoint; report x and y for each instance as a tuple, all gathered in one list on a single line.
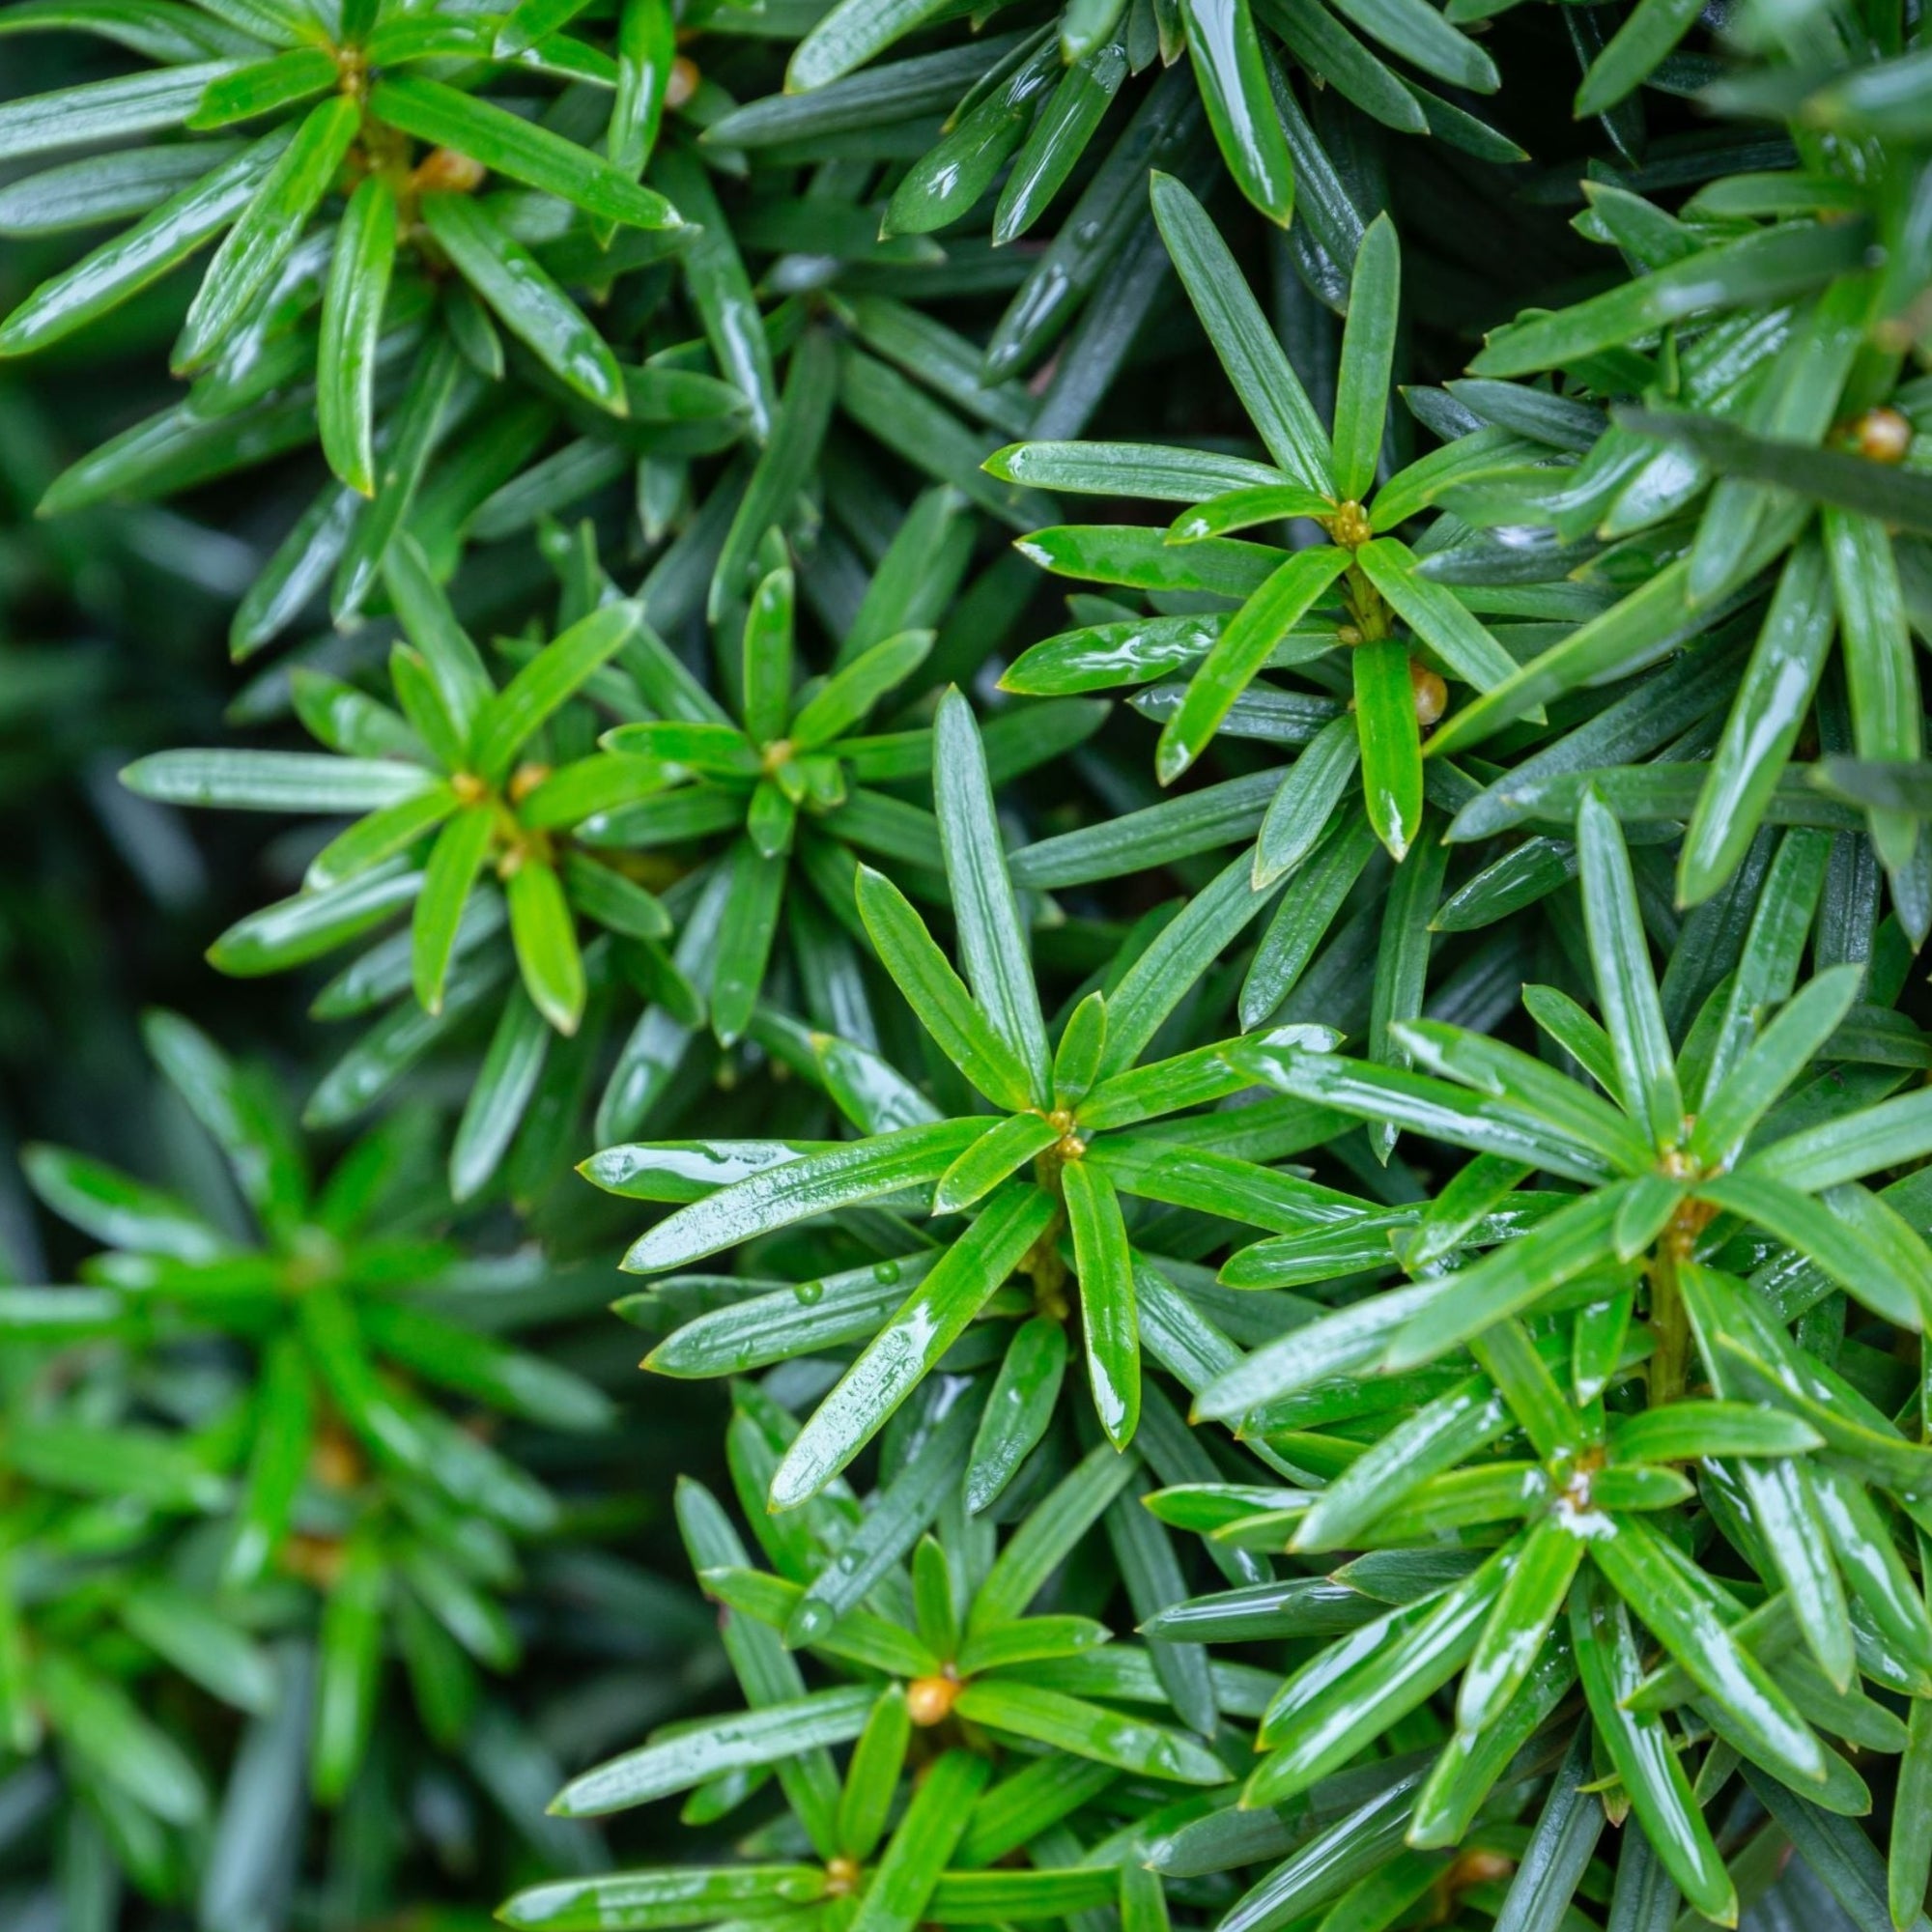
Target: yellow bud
[(1883, 436), (443, 170), (929, 1700), (1432, 695), (525, 780), (1349, 526)]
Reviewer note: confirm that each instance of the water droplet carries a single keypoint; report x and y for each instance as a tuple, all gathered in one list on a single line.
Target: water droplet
[(809, 1292), (885, 1272)]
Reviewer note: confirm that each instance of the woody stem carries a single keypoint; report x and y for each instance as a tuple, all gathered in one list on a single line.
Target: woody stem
[(1668, 1323)]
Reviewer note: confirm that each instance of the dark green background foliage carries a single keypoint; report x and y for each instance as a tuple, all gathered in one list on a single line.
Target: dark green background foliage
[(1172, 749)]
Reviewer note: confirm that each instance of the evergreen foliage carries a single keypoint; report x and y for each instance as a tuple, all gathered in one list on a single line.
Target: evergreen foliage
[(1287, 1132)]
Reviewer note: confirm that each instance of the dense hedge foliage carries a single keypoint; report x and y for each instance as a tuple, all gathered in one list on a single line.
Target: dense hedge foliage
[(1314, 1311)]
